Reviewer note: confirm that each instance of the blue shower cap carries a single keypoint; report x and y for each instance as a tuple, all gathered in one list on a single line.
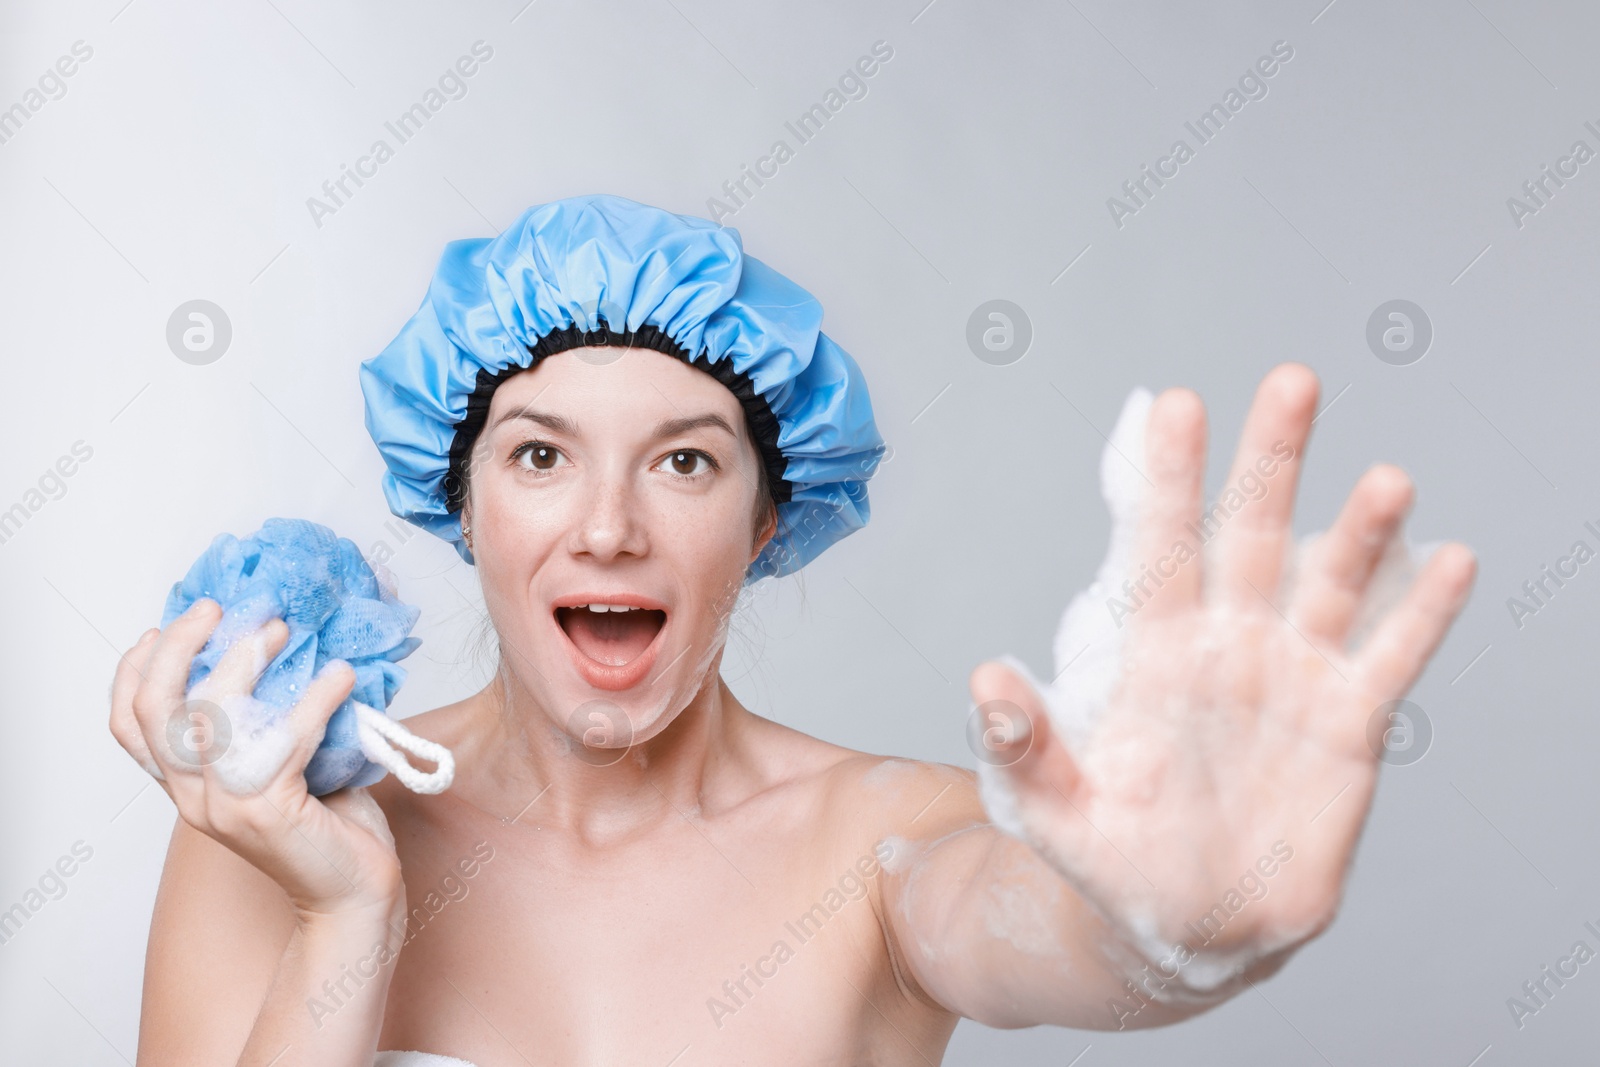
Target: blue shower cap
[(336, 607), (606, 270)]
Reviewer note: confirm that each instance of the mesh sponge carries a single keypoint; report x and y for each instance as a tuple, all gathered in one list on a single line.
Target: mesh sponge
[(336, 605)]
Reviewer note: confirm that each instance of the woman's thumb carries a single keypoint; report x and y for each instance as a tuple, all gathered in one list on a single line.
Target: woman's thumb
[(1009, 727)]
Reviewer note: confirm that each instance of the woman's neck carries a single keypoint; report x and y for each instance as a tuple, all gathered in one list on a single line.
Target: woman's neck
[(535, 771)]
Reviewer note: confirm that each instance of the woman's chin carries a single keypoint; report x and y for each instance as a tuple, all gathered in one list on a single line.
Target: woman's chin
[(634, 702)]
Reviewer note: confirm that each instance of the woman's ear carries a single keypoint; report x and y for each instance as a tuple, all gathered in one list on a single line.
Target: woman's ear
[(768, 528)]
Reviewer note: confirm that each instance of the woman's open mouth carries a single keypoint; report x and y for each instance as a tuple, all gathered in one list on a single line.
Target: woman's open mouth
[(612, 642)]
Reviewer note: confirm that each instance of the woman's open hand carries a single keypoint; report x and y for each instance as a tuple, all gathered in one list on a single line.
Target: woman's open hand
[(332, 854), (1238, 725)]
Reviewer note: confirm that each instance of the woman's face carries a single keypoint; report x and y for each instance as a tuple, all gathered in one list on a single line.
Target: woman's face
[(630, 484)]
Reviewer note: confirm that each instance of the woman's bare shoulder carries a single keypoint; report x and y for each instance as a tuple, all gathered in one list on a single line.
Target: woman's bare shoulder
[(887, 790), (908, 797), (449, 724)]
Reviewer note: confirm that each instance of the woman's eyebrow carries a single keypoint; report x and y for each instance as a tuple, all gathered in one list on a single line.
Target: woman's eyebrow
[(665, 428), (673, 427), (559, 423)]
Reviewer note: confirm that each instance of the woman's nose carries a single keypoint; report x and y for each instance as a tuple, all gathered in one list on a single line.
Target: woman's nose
[(610, 524)]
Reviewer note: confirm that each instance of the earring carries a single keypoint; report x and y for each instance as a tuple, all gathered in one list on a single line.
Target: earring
[(466, 532)]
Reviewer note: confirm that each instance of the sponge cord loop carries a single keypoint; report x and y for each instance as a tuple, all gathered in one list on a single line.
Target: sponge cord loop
[(376, 731)]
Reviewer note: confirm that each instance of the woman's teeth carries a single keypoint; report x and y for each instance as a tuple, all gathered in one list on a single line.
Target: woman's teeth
[(607, 607)]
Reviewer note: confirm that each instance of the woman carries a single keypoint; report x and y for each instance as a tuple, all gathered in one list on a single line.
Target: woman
[(620, 420)]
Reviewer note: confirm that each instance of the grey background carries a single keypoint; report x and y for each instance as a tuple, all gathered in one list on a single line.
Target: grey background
[(177, 166)]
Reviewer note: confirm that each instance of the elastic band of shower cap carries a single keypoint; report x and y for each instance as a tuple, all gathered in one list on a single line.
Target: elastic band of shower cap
[(605, 270)]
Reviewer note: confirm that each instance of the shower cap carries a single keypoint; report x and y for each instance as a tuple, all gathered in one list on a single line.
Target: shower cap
[(337, 606), (605, 270)]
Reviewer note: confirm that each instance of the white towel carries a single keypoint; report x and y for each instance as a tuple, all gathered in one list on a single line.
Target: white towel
[(417, 1059)]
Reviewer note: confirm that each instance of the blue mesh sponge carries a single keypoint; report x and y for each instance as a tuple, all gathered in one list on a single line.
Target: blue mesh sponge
[(336, 607)]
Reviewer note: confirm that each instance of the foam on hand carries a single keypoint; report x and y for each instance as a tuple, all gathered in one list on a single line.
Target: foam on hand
[(257, 744), (337, 607), (1086, 638)]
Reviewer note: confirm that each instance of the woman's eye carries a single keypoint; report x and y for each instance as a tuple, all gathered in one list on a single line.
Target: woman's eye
[(688, 463), (535, 455)]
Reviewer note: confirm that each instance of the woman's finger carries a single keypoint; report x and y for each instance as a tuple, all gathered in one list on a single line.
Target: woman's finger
[(1166, 566), (237, 672), (308, 719), (130, 672), (166, 718), (1328, 595), (166, 677), (1257, 504), (1014, 733), (1392, 658), (124, 725)]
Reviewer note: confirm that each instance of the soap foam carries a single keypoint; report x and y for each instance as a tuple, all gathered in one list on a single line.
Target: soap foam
[(260, 743), (1019, 910), (891, 773), (1086, 638)]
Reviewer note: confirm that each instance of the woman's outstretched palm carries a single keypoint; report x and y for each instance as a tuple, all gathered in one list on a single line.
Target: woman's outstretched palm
[(1237, 727)]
